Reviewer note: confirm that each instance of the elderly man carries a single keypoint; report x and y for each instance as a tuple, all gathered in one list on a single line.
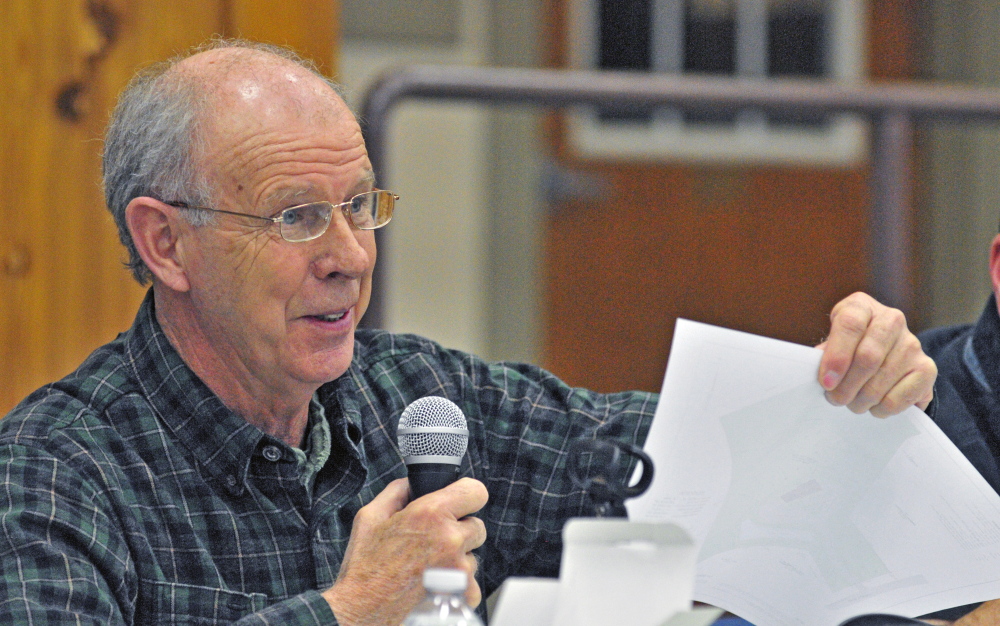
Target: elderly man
[(968, 356), (969, 359), (232, 456)]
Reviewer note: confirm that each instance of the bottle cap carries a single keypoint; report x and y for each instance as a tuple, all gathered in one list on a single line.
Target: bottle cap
[(445, 580)]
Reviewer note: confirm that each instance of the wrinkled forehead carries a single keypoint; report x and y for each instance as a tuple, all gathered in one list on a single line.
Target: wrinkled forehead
[(261, 111)]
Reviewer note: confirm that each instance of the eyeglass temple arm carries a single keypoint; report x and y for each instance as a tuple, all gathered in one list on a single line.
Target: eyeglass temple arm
[(185, 205)]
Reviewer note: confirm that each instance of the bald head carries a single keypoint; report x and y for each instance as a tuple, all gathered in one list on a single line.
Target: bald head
[(173, 116), (253, 101), (245, 77)]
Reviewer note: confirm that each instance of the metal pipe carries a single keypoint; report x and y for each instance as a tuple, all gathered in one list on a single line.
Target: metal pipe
[(892, 210), (892, 106)]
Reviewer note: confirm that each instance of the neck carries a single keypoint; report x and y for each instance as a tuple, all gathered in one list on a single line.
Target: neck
[(279, 409)]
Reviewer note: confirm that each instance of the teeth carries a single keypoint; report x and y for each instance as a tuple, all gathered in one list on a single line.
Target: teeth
[(332, 318)]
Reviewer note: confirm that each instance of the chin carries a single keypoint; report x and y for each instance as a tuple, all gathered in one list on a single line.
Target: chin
[(328, 368), (319, 364)]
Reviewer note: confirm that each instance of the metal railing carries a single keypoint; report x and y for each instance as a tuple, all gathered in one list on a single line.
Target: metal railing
[(892, 108)]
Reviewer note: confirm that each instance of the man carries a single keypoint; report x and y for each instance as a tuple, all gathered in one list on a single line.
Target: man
[(232, 456), (968, 357), (968, 408)]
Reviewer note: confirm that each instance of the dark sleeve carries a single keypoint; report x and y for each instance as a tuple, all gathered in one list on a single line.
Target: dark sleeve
[(61, 558), (65, 557), (961, 408), (524, 420)]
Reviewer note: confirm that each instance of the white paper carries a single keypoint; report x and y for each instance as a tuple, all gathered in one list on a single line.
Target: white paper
[(526, 602), (805, 513), (701, 616), (616, 571), (532, 602)]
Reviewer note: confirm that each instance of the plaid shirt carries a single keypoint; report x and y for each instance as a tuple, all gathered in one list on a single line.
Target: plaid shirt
[(132, 495)]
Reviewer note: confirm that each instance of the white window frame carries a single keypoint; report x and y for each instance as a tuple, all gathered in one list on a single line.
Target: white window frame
[(841, 142)]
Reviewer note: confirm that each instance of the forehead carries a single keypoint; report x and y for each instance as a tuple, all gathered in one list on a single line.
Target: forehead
[(273, 128), (294, 191)]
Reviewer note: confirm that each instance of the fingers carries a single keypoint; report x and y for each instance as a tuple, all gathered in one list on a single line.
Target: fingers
[(473, 594), (474, 532), (850, 323), (904, 379), (463, 497), (393, 542), (393, 498), (986, 614), (872, 362), (868, 364), (376, 513), (444, 517)]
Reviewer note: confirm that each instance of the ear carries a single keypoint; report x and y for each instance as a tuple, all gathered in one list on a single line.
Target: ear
[(157, 231), (995, 266)]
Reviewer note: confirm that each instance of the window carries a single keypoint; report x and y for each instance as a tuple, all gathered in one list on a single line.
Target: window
[(803, 39)]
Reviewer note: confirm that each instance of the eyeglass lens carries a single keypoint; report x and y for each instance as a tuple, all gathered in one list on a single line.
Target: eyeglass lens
[(372, 209), (367, 211), (305, 222)]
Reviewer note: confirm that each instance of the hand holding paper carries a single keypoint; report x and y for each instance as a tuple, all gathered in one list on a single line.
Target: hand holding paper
[(804, 512), (872, 362)]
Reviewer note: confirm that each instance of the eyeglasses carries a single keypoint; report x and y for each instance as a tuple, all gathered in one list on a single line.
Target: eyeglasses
[(366, 211)]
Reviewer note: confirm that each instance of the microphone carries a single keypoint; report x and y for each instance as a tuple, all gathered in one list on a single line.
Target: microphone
[(432, 436)]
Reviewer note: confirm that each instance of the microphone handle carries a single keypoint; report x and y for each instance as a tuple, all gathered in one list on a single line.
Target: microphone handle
[(428, 477)]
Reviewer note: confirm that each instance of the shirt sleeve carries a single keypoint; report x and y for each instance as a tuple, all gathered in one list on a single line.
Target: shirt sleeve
[(523, 420), (60, 555), (65, 558)]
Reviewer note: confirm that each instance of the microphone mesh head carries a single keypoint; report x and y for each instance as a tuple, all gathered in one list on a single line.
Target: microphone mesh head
[(433, 412)]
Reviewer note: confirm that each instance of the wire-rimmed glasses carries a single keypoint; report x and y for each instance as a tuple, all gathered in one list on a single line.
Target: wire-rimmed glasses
[(304, 222)]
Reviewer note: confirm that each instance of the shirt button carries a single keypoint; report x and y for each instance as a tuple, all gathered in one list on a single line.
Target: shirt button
[(272, 453)]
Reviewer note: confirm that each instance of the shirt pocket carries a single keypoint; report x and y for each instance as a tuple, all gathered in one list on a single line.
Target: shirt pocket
[(178, 603)]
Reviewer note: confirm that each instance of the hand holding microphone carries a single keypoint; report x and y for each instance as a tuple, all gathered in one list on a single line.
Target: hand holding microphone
[(399, 533), (393, 542)]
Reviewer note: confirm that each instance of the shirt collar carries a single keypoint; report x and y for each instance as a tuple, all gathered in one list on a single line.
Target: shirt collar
[(340, 400), (986, 344), (317, 449), (222, 441)]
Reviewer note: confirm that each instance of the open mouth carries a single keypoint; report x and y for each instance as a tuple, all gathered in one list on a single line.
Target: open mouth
[(333, 317)]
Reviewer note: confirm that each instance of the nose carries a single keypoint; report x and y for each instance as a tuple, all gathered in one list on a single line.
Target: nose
[(340, 251)]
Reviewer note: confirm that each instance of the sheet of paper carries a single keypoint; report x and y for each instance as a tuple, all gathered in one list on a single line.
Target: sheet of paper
[(805, 513), (532, 602), (526, 602), (616, 571)]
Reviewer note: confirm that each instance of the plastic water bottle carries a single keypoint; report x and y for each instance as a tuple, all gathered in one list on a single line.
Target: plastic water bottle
[(445, 602)]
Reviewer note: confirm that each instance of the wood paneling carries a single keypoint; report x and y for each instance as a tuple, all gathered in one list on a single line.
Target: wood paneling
[(304, 25), (63, 290)]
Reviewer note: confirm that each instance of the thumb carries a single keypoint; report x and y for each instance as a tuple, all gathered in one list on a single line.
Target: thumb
[(391, 500)]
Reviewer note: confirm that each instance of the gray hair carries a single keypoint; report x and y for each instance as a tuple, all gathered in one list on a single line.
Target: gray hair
[(152, 138)]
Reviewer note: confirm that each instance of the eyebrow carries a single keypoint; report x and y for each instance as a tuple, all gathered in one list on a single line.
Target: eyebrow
[(368, 180), (283, 195), (280, 196)]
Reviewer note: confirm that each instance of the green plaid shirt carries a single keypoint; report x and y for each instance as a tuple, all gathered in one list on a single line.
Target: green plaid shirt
[(132, 495)]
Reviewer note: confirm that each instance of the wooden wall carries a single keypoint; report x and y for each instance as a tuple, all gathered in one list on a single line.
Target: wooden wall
[(63, 290)]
